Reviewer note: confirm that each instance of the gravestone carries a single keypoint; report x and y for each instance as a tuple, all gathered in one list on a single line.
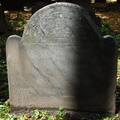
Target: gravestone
[(62, 59)]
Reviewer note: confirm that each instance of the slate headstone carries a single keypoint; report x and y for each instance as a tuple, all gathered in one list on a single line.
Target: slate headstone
[(62, 60)]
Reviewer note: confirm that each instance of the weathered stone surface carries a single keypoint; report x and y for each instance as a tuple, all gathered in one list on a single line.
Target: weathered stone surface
[(62, 60)]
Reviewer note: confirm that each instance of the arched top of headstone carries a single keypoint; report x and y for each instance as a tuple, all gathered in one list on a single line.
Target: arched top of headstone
[(61, 22)]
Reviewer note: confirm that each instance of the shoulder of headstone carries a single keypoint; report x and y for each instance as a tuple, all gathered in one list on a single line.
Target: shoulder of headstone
[(13, 40), (109, 39), (14, 37)]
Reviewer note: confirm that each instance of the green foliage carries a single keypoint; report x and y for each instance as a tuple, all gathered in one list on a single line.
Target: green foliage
[(117, 36), (4, 111), (61, 114), (116, 117), (5, 115), (36, 114), (16, 25), (11, 23), (3, 67), (118, 81), (118, 69), (45, 114), (106, 30)]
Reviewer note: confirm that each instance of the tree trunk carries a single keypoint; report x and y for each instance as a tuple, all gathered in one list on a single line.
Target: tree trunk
[(3, 25), (118, 1), (12, 4), (100, 1)]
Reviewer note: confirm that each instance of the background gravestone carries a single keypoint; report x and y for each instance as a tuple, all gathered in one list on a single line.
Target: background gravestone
[(62, 60)]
